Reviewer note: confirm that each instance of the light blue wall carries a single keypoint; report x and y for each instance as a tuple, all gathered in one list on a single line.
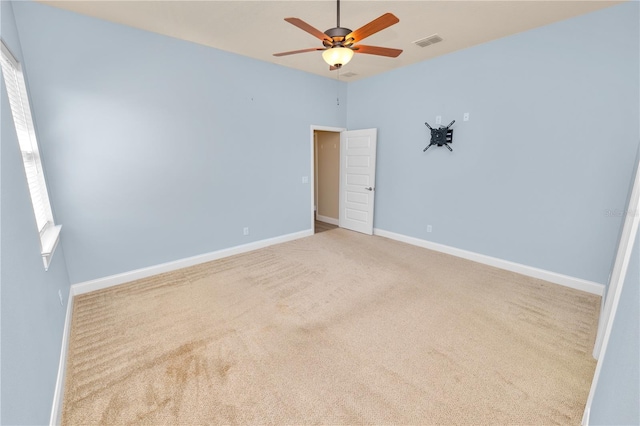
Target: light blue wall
[(617, 397), (548, 149), (160, 149), (31, 316)]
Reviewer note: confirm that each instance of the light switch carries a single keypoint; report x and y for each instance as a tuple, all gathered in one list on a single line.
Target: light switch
[(305, 179)]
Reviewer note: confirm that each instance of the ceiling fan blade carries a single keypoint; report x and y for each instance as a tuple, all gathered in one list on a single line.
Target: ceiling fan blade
[(378, 24), (377, 50), (293, 52), (308, 28), (332, 68)]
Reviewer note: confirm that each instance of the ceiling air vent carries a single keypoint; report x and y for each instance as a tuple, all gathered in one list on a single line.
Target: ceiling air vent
[(427, 41), (349, 74)]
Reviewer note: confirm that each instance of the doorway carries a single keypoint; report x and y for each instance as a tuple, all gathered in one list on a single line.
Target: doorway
[(326, 180), (356, 173), (325, 165)]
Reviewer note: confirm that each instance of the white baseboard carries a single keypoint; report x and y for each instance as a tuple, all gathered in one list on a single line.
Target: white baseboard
[(113, 280), (58, 395), (586, 416), (327, 219), (530, 271)]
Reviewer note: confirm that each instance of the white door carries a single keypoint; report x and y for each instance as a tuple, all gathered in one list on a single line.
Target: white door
[(357, 179)]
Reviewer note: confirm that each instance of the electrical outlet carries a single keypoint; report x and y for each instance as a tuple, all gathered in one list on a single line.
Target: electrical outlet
[(245, 230), (429, 228), (438, 119), (465, 117), (60, 297)]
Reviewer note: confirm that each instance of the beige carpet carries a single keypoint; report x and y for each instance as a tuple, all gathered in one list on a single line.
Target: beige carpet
[(338, 328)]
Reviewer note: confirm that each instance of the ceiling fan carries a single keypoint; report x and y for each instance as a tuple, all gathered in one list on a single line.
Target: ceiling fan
[(340, 43)]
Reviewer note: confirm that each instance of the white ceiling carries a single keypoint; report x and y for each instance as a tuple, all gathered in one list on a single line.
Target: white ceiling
[(257, 28)]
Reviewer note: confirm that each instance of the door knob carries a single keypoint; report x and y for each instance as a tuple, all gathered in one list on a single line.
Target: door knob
[(369, 189)]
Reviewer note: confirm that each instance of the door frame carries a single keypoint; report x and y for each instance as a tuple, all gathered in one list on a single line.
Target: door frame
[(618, 275), (312, 165), (619, 271)]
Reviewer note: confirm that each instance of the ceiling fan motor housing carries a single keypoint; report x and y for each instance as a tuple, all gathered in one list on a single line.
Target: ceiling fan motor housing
[(337, 36)]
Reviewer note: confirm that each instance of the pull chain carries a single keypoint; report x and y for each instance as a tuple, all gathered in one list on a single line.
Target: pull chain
[(338, 88)]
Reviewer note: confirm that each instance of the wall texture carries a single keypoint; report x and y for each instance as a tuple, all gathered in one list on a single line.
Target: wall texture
[(547, 152), (160, 149), (32, 319)]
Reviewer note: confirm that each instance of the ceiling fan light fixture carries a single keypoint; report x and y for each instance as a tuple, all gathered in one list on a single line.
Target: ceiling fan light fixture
[(337, 56), (340, 43)]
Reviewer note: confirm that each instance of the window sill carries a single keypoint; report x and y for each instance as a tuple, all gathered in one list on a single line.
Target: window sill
[(49, 241)]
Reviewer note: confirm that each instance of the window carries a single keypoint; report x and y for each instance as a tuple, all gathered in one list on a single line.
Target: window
[(21, 112)]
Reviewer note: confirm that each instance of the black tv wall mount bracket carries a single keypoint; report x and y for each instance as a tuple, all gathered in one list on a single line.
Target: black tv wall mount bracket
[(441, 136)]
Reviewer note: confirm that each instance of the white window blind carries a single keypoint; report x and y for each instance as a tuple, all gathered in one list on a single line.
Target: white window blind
[(21, 112)]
